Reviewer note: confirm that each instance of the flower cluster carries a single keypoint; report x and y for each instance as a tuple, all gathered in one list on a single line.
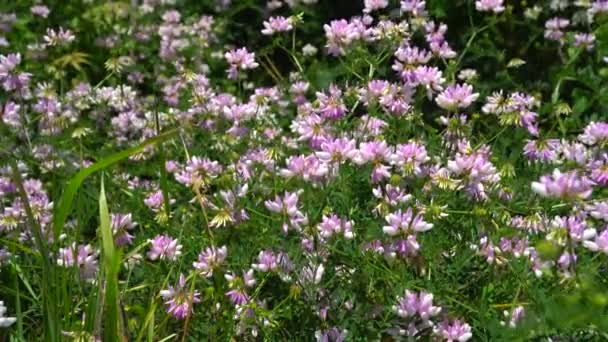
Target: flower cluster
[(419, 310)]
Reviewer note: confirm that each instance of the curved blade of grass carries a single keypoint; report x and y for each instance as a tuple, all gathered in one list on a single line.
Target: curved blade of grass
[(26, 283), (65, 203)]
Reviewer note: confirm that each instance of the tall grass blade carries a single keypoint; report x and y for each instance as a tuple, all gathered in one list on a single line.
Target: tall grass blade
[(111, 263)]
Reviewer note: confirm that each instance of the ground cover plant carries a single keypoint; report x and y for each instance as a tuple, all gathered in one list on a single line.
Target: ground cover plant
[(304, 170)]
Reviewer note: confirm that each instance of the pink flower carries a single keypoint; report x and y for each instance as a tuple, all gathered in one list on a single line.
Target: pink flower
[(210, 259), (337, 150), (240, 59), (516, 109), (311, 127), (477, 172), (600, 244), (238, 293), (11, 116), (391, 195), (238, 296), (58, 38), (288, 207), (331, 105), (426, 309), (298, 90), (416, 7), (340, 34), (155, 201), (84, 257), (164, 247), (375, 152), (563, 185), (455, 330), (516, 316), (584, 40), (405, 223), (277, 24), (10, 78), (374, 90), (596, 133), (599, 170), (396, 100), (420, 304), (408, 56), (553, 28), (542, 150), (198, 171), (435, 37), (410, 157), (407, 305), (429, 77), (333, 225), (598, 6), (40, 10), (371, 126), (310, 168), (267, 262), (495, 6), (180, 299), (574, 151), (121, 224), (456, 96), (576, 228), (374, 5), (598, 210)]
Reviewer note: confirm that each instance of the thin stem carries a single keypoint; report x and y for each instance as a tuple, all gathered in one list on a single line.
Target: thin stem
[(190, 303), (200, 199), (351, 70), (470, 42), (52, 322)]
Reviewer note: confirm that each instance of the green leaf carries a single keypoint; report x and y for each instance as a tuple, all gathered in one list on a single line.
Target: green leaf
[(581, 103), (111, 264), (105, 227)]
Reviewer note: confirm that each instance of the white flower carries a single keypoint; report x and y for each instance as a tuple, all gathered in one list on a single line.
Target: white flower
[(309, 50), (5, 322)]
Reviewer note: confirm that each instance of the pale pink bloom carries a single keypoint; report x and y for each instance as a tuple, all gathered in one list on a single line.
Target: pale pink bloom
[(277, 24), (495, 6)]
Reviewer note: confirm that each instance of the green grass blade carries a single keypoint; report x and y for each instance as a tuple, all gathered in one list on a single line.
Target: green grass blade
[(26, 283), (20, 317), (111, 265), (151, 327), (109, 251), (148, 323)]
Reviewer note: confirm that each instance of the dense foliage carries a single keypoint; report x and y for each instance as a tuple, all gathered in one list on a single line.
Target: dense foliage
[(293, 170)]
